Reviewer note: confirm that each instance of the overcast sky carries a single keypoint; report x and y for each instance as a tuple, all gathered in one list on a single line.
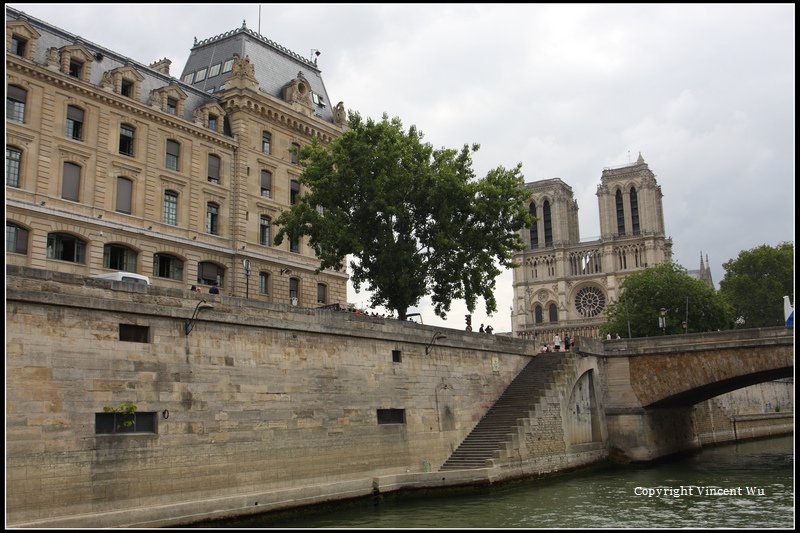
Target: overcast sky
[(705, 93)]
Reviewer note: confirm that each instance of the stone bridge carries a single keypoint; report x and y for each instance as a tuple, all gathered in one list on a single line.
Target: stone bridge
[(650, 384)]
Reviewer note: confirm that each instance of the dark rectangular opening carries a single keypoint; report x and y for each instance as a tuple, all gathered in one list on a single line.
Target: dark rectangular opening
[(110, 423), (397, 356), (132, 333), (391, 416)]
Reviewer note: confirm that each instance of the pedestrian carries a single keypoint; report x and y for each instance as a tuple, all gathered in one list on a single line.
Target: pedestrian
[(608, 337), (566, 343), (557, 342), (481, 329), (489, 329), (214, 289), (194, 288), (617, 337)]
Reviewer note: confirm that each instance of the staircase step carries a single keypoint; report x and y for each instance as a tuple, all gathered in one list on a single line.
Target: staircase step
[(518, 403)]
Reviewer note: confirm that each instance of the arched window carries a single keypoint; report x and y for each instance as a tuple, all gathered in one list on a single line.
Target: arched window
[(537, 314), (548, 224), (620, 213), (119, 257), (167, 266), (553, 312), (16, 239), (13, 165), (534, 227), (634, 211), (210, 273), (15, 103), (74, 123), (264, 233), (66, 247)]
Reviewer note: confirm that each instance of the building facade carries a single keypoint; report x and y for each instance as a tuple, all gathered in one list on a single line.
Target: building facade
[(115, 165), (563, 285)]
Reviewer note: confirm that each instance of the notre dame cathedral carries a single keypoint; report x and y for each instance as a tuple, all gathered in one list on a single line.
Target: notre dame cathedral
[(563, 284)]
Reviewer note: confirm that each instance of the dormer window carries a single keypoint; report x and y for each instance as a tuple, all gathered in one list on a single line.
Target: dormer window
[(200, 75), (227, 66), (21, 38), (18, 45), (75, 68), (212, 122), (318, 99), (126, 88), (171, 99)]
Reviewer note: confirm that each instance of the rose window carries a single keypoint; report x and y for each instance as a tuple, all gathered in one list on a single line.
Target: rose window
[(590, 301)]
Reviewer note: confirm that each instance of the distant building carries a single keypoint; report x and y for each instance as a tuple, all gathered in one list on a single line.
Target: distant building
[(563, 284), (703, 273), (113, 165)]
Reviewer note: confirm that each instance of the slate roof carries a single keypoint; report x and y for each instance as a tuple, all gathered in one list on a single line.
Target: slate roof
[(274, 65), (106, 59)]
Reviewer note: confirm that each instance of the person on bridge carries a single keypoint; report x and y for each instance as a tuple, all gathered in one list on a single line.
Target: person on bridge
[(556, 342), (566, 343)]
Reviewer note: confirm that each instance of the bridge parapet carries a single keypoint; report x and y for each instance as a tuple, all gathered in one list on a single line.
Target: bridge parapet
[(692, 342)]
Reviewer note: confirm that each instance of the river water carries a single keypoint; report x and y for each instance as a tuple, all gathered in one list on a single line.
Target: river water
[(745, 485)]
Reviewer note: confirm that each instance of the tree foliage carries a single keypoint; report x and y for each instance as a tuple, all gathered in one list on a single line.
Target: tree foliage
[(415, 221), (667, 286), (756, 282)]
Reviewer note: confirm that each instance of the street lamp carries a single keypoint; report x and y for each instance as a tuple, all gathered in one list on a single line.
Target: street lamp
[(436, 336), (662, 321), (188, 326)]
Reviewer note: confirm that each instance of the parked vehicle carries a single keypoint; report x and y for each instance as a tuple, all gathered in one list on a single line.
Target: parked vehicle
[(128, 277)]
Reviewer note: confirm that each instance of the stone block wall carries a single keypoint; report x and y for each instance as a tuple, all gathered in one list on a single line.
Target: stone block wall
[(257, 397)]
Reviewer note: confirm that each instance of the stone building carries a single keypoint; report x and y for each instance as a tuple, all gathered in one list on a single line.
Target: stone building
[(703, 273), (563, 284), (115, 165)]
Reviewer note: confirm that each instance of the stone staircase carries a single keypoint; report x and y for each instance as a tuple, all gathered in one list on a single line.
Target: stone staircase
[(500, 422)]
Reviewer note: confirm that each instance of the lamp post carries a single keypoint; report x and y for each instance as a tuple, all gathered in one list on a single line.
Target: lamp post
[(246, 264), (188, 326), (436, 336), (662, 321)]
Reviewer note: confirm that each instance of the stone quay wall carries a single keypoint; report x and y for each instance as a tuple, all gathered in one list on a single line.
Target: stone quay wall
[(260, 406)]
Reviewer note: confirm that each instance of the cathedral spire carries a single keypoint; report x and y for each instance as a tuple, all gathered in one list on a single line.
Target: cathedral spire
[(641, 159)]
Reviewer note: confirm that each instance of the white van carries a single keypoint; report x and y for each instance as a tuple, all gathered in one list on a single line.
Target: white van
[(128, 277)]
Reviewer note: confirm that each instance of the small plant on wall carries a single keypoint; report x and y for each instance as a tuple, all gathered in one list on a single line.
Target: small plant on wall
[(124, 415)]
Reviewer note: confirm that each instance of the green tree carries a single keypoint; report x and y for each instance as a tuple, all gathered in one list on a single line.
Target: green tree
[(756, 282), (667, 286), (415, 221)]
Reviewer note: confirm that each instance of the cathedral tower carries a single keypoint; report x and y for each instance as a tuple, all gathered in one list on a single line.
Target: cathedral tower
[(564, 285)]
